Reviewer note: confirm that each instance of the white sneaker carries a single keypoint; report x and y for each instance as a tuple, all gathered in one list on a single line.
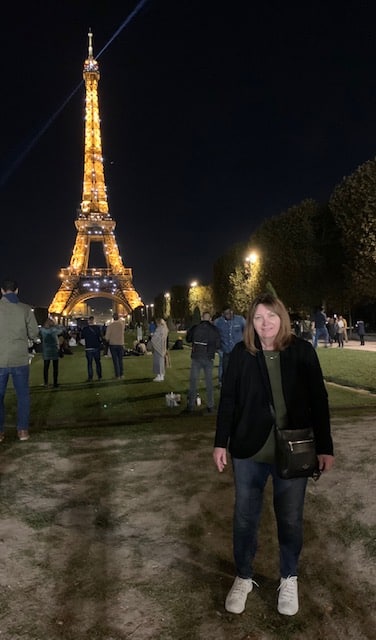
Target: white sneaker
[(288, 603), (157, 378), (237, 596)]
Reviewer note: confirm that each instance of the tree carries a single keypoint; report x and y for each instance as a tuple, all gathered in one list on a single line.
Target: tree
[(353, 205), (223, 267), (179, 304), (290, 257), (201, 297)]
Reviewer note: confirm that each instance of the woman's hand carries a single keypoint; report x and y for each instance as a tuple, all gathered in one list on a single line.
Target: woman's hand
[(326, 462), (220, 458)]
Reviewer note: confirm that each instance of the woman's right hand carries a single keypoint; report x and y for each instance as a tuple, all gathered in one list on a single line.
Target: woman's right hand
[(220, 458)]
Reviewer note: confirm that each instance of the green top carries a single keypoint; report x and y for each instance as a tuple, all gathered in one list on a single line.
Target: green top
[(17, 326), (273, 365)]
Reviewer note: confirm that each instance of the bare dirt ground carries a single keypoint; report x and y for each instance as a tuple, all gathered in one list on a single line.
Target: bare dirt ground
[(130, 537)]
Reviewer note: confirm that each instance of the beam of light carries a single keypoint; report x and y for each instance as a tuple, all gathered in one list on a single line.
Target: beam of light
[(133, 13), (13, 166)]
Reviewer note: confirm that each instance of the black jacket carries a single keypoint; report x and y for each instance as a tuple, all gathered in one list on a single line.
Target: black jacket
[(205, 339), (244, 418), (91, 333)]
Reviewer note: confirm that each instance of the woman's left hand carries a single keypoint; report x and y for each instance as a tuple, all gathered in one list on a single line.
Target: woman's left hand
[(326, 462)]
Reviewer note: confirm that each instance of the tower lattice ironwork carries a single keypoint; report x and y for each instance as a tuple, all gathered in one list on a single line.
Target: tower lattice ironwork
[(94, 223)]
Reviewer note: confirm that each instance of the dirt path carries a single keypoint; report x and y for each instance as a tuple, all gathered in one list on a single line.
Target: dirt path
[(130, 537)]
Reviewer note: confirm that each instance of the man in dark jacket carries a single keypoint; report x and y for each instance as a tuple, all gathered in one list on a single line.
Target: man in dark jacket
[(205, 339), (93, 340)]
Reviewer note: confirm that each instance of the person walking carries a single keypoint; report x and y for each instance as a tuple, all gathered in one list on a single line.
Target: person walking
[(205, 340), (359, 326), (49, 334), (115, 340), (92, 336), (340, 331), (321, 330), (17, 327), (159, 346), (230, 327), (270, 365), (139, 332)]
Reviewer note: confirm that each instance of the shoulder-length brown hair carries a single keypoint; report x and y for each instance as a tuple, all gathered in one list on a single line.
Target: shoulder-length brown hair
[(284, 335)]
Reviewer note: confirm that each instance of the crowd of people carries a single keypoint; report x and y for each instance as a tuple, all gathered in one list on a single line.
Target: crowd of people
[(329, 329)]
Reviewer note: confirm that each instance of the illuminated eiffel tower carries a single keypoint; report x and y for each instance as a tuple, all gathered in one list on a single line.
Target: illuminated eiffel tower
[(94, 224)]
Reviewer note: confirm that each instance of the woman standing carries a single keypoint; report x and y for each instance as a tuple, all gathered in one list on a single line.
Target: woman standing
[(159, 345), (269, 365), (50, 349), (340, 331)]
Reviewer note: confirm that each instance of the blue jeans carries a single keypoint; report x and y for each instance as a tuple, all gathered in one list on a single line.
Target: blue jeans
[(20, 379), (207, 366), (93, 354), (322, 332), (288, 501), (117, 352), (222, 365)]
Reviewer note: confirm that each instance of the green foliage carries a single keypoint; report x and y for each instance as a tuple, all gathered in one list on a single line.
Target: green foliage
[(289, 255), (201, 297), (223, 267), (159, 307), (179, 303), (353, 204)]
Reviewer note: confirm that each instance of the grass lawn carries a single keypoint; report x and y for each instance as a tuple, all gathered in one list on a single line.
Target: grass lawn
[(349, 367), (139, 400)]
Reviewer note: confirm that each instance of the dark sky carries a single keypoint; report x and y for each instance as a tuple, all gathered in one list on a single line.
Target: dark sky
[(215, 115)]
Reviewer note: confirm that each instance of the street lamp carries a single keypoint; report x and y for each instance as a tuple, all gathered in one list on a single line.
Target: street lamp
[(251, 258)]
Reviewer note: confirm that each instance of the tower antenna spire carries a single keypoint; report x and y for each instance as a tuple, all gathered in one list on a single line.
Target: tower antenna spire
[(90, 55)]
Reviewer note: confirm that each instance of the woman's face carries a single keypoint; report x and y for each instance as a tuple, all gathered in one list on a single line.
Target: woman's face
[(266, 324)]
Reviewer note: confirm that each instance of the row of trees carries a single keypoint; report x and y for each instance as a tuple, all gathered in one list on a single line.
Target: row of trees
[(311, 254)]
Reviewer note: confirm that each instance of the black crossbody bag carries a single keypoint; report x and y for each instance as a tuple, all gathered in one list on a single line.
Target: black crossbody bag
[(295, 452)]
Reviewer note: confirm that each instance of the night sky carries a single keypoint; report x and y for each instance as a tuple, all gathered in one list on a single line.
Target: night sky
[(214, 115)]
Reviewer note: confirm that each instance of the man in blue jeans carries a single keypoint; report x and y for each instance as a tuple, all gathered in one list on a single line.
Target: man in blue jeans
[(205, 341), (321, 330), (17, 326), (93, 341), (115, 338)]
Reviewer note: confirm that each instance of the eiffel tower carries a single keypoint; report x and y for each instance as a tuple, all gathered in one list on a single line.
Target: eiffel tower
[(94, 224)]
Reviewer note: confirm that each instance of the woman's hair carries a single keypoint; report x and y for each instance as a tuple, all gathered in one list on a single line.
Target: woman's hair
[(284, 335), (49, 323)]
